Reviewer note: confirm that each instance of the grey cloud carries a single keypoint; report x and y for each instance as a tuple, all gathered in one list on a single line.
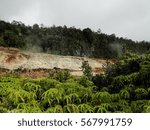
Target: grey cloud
[(125, 18), (10, 8)]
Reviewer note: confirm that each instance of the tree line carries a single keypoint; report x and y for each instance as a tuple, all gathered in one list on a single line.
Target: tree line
[(67, 40)]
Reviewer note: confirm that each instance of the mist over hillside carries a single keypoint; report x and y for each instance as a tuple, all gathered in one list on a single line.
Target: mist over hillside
[(67, 41), (37, 65)]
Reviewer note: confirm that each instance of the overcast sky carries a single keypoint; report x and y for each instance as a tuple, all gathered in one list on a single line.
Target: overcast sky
[(125, 18)]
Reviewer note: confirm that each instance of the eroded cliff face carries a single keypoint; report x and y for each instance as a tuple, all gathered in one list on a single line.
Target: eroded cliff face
[(40, 64)]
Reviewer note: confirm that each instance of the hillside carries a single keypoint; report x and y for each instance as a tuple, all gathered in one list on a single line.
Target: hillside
[(124, 87), (68, 41), (31, 78), (40, 64)]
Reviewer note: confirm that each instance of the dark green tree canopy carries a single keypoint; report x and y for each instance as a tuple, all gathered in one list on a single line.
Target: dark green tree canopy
[(67, 41)]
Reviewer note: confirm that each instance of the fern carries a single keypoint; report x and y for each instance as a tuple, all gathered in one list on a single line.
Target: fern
[(124, 94), (55, 109), (70, 108), (115, 97), (101, 97), (85, 108), (14, 97), (30, 107), (100, 109), (52, 96), (141, 93)]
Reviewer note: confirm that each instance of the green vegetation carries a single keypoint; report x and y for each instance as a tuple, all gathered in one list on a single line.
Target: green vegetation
[(125, 87), (87, 69), (67, 41)]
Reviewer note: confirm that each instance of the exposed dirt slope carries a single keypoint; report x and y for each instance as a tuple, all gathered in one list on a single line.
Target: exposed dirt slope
[(39, 64)]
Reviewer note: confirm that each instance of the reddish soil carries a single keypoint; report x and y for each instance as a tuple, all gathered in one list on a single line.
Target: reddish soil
[(36, 65)]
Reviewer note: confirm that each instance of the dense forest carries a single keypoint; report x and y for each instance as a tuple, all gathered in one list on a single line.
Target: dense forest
[(67, 41), (123, 87)]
